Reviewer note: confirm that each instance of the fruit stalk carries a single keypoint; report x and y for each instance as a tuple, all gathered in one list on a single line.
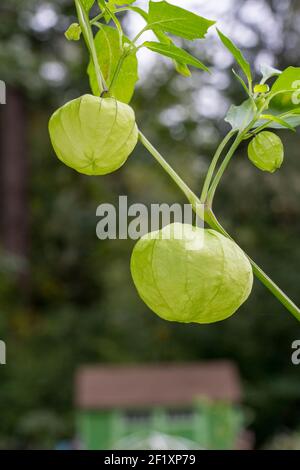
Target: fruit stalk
[(259, 273), (213, 165), (223, 167)]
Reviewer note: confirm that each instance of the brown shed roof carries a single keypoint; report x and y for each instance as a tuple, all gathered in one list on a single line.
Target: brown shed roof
[(170, 384)]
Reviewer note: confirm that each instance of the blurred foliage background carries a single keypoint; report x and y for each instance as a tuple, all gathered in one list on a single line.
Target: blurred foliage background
[(67, 298)]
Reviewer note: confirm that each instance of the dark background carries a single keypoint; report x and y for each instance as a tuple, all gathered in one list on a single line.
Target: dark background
[(66, 298)]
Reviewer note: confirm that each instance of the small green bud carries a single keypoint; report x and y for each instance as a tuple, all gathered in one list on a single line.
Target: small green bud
[(182, 69), (191, 275), (266, 151), (73, 32), (261, 88), (93, 135)]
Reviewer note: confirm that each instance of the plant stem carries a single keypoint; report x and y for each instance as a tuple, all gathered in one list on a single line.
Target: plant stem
[(97, 18), (140, 34), (102, 14), (212, 221), (242, 135), (89, 39), (259, 273), (224, 165), (118, 69), (213, 165), (121, 10), (192, 198), (117, 24)]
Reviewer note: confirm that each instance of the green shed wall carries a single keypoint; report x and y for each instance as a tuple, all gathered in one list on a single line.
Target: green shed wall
[(212, 426)]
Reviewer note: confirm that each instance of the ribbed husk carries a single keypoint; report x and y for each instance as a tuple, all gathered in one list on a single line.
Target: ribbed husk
[(93, 135), (266, 151), (201, 277)]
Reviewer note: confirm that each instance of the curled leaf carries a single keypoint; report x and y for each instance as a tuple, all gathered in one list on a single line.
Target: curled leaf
[(73, 32), (239, 117), (268, 72)]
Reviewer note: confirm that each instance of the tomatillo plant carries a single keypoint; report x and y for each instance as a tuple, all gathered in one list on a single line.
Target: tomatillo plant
[(204, 276)]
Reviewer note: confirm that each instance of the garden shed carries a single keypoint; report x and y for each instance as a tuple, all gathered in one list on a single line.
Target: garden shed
[(196, 402)]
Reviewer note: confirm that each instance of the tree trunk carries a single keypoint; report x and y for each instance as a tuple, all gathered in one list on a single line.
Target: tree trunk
[(14, 179)]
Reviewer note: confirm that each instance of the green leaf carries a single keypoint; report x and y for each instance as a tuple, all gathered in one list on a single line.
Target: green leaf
[(180, 67), (237, 54), (109, 52), (177, 21), (288, 80), (268, 72), (291, 118), (164, 39), (87, 4), (278, 120), (239, 117), (176, 53)]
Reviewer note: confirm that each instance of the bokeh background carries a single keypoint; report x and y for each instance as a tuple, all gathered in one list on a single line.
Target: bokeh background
[(67, 298)]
